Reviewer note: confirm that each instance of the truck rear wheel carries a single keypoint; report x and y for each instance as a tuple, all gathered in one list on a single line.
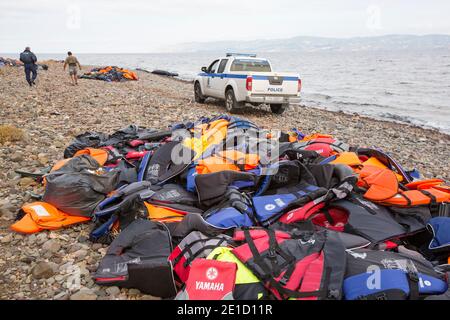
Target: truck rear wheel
[(278, 108), (198, 95), (231, 104)]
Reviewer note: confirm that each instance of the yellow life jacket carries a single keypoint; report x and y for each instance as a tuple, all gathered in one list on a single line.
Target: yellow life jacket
[(207, 135)]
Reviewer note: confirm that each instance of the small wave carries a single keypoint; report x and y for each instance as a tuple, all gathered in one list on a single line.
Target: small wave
[(380, 115), (356, 104), (396, 117), (320, 96), (388, 93), (404, 82)]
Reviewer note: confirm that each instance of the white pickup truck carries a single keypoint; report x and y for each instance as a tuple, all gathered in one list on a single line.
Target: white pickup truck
[(244, 78)]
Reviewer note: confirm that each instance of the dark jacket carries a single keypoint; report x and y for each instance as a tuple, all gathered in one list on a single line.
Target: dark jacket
[(28, 57)]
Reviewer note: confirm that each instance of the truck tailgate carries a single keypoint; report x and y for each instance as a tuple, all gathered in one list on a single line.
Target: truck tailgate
[(274, 84)]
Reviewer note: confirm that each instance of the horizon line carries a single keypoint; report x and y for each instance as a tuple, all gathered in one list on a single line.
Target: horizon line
[(166, 51)]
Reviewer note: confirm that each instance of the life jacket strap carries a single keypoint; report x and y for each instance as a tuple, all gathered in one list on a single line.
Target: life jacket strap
[(196, 254), (193, 255), (270, 274), (413, 281), (408, 200), (434, 205), (328, 216), (257, 257)]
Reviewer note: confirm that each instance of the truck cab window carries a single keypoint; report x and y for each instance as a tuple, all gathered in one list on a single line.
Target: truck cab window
[(222, 65), (213, 67), (250, 65)]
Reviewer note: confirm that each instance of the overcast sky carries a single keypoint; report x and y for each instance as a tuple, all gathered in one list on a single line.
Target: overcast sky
[(89, 26)]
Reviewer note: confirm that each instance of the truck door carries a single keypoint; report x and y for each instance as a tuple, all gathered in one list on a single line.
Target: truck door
[(208, 88), (219, 80)]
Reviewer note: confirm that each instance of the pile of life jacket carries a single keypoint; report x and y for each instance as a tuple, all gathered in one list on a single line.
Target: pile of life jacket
[(10, 62), (220, 208), (110, 74)]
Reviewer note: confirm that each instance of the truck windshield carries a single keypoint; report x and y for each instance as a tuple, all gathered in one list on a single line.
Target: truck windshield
[(250, 65)]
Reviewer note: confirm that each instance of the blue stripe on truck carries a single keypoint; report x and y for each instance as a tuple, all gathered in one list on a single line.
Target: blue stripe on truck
[(242, 76)]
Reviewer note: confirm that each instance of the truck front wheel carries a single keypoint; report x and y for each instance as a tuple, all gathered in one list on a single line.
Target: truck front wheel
[(278, 108), (231, 104), (198, 95)]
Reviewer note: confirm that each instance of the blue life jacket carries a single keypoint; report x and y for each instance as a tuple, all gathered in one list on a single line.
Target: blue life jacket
[(268, 208), (233, 212), (228, 218), (388, 275), (359, 285), (440, 228)]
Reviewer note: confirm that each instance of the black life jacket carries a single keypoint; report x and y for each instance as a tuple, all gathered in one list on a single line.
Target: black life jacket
[(137, 258), (371, 221), (293, 151), (159, 167), (283, 174), (211, 187)]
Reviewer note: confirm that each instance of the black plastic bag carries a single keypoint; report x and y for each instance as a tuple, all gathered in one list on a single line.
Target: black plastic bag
[(86, 140), (76, 188)]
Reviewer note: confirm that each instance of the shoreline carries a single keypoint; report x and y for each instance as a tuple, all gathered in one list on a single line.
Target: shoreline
[(191, 80), (54, 112), (380, 119)]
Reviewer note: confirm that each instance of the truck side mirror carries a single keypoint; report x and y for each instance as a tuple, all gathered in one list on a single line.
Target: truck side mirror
[(204, 69)]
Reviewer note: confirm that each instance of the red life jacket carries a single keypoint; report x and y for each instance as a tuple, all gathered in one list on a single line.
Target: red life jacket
[(325, 146), (332, 218), (210, 280), (310, 268)]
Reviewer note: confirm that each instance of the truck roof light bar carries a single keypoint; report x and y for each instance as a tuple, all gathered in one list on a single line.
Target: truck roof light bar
[(232, 54)]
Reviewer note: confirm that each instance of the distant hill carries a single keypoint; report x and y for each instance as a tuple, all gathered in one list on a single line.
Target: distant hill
[(312, 44)]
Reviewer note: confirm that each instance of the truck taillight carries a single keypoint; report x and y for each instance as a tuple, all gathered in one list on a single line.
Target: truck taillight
[(299, 85), (249, 83)]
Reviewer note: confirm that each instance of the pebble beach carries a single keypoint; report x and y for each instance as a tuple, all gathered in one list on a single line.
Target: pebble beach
[(52, 113)]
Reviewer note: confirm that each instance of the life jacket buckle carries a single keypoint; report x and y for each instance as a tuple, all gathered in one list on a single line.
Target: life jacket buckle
[(381, 296), (272, 254), (435, 207), (444, 209), (413, 276), (333, 294)]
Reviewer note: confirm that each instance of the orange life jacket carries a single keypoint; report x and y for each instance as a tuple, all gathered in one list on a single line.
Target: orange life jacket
[(101, 155), (316, 136), (228, 160), (382, 187), (163, 214), (41, 215), (349, 158)]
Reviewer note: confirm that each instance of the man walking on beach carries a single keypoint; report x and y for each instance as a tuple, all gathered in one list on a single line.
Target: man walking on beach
[(72, 61), (29, 61)]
